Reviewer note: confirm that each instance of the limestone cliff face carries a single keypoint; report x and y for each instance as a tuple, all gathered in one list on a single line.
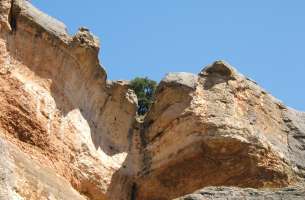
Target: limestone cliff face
[(68, 133), (213, 193), (218, 129), (57, 108)]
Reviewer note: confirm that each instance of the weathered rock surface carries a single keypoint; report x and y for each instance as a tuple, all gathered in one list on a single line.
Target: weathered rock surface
[(57, 107), (220, 193), (24, 178), (68, 133), (218, 129)]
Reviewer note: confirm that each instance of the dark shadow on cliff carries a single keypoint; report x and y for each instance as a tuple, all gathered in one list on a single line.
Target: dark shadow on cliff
[(123, 183)]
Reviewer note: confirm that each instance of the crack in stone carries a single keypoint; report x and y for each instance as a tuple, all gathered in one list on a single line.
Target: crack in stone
[(12, 17)]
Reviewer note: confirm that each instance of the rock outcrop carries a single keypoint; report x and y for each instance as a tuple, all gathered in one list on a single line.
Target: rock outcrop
[(218, 129), (216, 193), (68, 133), (57, 108)]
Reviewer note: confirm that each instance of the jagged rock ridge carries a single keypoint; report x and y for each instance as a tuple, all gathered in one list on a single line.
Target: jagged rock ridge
[(68, 133)]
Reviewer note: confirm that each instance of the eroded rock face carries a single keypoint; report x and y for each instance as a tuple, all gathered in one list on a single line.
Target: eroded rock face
[(56, 105), (218, 129), (225, 193), (25, 178), (68, 133)]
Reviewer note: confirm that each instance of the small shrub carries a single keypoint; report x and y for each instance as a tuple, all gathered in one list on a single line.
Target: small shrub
[(145, 90)]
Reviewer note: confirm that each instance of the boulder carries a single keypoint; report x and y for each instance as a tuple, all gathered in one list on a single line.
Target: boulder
[(224, 130)]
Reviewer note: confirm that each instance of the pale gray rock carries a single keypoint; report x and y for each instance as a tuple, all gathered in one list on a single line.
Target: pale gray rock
[(25, 9), (23, 178), (220, 68), (180, 79), (226, 193), (295, 121)]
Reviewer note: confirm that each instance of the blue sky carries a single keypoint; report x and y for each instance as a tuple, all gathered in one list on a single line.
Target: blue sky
[(264, 40)]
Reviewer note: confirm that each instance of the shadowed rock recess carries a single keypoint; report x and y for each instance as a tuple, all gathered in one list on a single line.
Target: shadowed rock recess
[(68, 133)]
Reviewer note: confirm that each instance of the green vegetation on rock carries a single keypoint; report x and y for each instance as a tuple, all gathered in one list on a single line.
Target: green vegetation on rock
[(145, 90)]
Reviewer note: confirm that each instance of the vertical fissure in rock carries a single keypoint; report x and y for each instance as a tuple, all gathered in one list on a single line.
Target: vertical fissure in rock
[(133, 194), (146, 157), (12, 17)]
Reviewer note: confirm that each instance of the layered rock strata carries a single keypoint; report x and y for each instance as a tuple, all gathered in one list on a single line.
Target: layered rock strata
[(218, 129), (216, 193), (68, 133), (57, 108)]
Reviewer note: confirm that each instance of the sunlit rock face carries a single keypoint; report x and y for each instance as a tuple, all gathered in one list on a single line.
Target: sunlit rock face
[(68, 133), (226, 193), (56, 106), (218, 129)]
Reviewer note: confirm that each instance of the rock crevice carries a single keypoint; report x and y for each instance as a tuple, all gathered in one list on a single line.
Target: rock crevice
[(68, 133)]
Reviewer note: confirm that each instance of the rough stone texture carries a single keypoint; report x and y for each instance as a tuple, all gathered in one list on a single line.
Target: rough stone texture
[(24, 178), (56, 105), (225, 131), (180, 79), (224, 193), (68, 133), (295, 121), (5, 8), (24, 10)]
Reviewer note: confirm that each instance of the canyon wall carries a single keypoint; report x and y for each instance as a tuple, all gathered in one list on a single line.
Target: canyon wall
[(58, 108), (218, 128), (66, 132)]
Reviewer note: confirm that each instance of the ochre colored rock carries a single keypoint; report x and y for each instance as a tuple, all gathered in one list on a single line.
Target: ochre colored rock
[(57, 108), (68, 133), (223, 131)]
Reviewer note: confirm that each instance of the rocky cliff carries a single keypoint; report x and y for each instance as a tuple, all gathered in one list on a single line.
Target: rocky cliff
[(68, 133)]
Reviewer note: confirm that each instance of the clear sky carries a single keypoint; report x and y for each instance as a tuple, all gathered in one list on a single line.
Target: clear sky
[(263, 39)]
